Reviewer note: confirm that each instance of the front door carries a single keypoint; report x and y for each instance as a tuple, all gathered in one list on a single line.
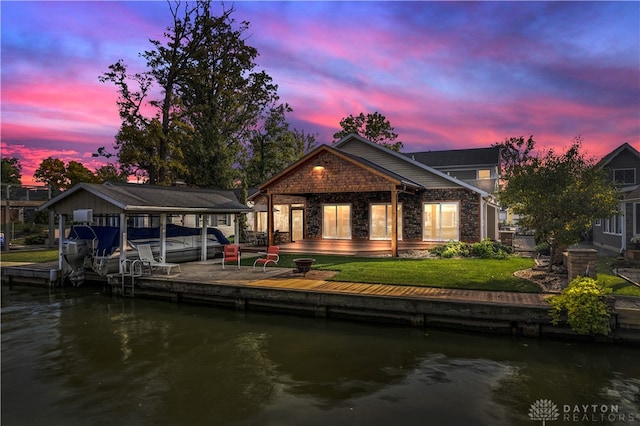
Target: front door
[(297, 224)]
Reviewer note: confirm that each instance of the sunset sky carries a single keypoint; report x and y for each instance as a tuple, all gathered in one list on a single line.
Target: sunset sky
[(447, 75)]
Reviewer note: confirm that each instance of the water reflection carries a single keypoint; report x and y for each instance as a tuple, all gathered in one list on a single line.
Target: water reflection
[(85, 358)]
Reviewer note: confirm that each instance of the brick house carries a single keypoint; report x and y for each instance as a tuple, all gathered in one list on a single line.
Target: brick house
[(363, 192), (615, 232)]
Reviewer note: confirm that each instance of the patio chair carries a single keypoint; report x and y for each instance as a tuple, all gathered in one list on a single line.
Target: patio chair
[(271, 256), (147, 259), (231, 253)]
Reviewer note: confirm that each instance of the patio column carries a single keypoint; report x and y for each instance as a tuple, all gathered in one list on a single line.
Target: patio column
[(203, 237), (163, 237), (61, 226), (394, 222), (270, 224), (123, 240)]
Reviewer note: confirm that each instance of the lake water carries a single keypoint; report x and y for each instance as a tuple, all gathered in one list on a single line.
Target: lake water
[(79, 357)]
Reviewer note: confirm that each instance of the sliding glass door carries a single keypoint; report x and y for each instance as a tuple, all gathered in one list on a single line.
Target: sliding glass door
[(440, 221), (381, 223), (336, 221)]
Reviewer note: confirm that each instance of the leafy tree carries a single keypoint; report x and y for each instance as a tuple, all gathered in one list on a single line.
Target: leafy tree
[(514, 152), (211, 99), (559, 195), (150, 146), (11, 170), (110, 173), (224, 98), (76, 173), (274, 147), (374, 127), (53, 173)]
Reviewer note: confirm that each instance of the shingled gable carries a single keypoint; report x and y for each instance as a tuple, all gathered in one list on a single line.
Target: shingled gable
[(398, 158), (607, 159), (327, 156), (148, 199)]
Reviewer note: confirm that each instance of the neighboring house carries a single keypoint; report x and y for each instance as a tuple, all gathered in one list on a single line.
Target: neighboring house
[(479, 167), (361, 191), (615, 232)]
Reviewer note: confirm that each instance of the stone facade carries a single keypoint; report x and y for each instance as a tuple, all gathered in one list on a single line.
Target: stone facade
[(469, 226)]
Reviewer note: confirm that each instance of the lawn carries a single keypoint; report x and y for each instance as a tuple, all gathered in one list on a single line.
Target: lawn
[(33, 256), (470, 274)]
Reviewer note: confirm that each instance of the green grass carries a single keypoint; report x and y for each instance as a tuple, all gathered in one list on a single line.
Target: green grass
[(608, 279), (470, 274), (32, 256)]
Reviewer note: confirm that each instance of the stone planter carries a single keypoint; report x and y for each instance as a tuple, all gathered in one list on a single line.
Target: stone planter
[(303, 265)]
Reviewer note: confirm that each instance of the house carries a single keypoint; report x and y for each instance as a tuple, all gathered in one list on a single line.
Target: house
[(359, 191), (479, 167), (615, 232)]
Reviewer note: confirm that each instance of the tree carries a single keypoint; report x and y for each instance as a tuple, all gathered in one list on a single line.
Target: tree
[(11, 170), (52, 172), (374, 127), (514, 152), (224, 98), (110, 173), (76, 172), (559, 196), (211, 99), (274, 147), (150, 146)]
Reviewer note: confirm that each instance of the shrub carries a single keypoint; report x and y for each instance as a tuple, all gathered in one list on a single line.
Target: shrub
[(31, 228), (486, 249), (35, 239), (584, 303), (451, 249)]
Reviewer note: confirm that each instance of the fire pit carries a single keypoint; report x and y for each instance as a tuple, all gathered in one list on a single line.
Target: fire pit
[(303, 265)]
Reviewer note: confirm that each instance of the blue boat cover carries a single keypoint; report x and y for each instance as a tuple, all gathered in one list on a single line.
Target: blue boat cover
[(109, 236)]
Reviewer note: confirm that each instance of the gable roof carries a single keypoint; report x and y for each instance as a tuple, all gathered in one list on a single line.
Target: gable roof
[(458, 157), (358, 161), (613, 154), (156, 199), (404, 158)]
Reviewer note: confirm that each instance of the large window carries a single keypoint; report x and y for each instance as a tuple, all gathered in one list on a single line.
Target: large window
[(281, 217), (624, 176), (336, 221), (484, 174), (613, 225), (381, 223), (440, 221)]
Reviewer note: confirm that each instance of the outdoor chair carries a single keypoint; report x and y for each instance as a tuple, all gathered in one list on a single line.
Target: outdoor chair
[(231, 253), (271, 256), (147, 259)]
